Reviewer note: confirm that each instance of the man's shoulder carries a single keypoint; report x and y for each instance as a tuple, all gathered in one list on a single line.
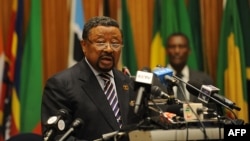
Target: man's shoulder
[(201, 76), (74, 71), (119, 74)]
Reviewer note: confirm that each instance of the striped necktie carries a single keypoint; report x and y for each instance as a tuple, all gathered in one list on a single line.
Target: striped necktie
[(180, 93), (110, 93)]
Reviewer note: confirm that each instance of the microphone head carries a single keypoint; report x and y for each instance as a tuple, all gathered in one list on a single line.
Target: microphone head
[(202, 92), (78, 122), (175, 108), (172, 80), (63, 112), (59, 115), (161, 73), (192, 87), (126, 71), (123, 68), (156, 91), (58, 121), (144, 78)]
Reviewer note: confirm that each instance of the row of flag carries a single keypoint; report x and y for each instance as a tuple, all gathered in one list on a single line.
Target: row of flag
[(21, 70)]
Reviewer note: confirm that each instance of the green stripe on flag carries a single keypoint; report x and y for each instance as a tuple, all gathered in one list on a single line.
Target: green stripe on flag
[(31, 71), (128, 52)]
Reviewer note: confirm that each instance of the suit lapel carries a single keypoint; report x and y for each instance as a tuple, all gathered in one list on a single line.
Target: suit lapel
[(92, 88)]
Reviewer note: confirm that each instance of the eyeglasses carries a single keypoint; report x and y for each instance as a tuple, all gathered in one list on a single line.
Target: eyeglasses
[(100, 46)]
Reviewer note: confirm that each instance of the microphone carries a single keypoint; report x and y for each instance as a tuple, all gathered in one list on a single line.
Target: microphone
[(214, 96), (161, 73), (109, 136), (115, 135), (77, 123), (156, 91), (55, 123), (143, 82), (126, 71), (172, 80)]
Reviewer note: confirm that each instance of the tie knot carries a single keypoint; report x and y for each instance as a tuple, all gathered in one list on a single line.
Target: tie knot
[(105, 76)]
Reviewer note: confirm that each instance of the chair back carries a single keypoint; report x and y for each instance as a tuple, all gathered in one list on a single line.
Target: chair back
[(26, 137)]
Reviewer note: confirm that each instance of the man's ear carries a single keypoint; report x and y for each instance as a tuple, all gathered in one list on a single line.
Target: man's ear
[(83, 45)]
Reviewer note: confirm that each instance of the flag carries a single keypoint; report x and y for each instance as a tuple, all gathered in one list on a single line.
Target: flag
[(1, 63), (18, 47), (1, 81), (31, 72), (195, 22), (10, 89), (128, 52), (76, 27), (169, 16), (244, 11), (158, 53), (231, 73)]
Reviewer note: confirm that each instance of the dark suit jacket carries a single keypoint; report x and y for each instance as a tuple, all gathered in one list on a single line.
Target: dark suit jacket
[(77, 90), (205, 79)]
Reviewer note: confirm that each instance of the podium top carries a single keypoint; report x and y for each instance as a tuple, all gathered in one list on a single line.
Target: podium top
[(176, 134)]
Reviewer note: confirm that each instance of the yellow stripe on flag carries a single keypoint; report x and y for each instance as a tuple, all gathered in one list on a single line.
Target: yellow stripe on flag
[(233, 78), (248, 73), (15, 108), (158, 52)]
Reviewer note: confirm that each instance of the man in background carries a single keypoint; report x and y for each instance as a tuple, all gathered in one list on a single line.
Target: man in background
[(177, 51)]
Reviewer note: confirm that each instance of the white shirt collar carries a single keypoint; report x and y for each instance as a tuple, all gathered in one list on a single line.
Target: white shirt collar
[(185, 71), (96, 72)]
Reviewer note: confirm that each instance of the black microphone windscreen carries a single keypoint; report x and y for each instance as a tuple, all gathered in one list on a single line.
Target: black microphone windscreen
[(63, 112), (175, 108), (193, 86), (77, 123), (156, 91)]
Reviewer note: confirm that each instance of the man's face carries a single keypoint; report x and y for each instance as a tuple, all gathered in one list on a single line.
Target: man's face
[(98, 49), (177, 51)]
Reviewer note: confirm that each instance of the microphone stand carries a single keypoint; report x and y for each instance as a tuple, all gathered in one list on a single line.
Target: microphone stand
[(170, 90), (203, 129), (147, 123)]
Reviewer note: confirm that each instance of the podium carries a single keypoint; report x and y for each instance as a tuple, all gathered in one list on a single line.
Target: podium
[(177, 134)]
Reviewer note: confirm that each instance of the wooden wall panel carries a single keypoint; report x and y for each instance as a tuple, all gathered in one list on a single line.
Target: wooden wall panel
[(211, 12), (141, 13), (55, 36), (91, 8)]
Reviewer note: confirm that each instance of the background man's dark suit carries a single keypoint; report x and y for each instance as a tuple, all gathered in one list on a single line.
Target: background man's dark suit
[(76, 89)]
